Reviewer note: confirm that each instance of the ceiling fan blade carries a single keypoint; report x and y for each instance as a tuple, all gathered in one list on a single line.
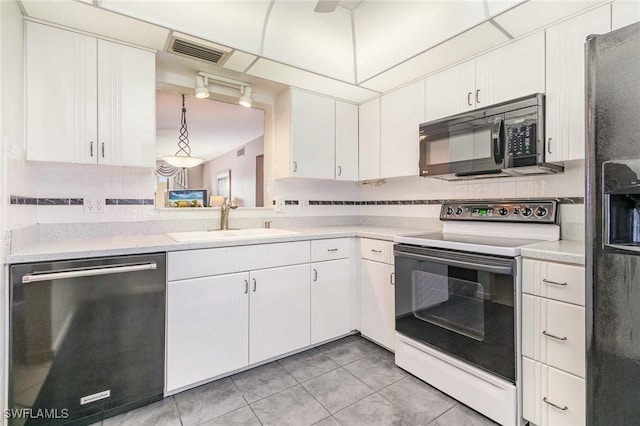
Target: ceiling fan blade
[(326, 6)]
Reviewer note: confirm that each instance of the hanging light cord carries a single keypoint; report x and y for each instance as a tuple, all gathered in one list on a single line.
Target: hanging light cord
[(183, 139)]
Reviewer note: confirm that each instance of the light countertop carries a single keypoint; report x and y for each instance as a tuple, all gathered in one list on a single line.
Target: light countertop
[(136, 244), (566, 251)]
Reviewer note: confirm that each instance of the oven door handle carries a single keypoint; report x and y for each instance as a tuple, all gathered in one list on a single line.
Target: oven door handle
[(505, 270)]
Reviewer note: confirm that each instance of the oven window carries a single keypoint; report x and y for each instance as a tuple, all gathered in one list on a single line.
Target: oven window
[(468, 313)]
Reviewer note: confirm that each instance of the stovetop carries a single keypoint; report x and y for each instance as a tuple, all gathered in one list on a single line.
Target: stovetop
[(499, 227)]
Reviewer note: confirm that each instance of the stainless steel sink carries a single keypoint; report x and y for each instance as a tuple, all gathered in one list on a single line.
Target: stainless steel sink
[(228, 234)]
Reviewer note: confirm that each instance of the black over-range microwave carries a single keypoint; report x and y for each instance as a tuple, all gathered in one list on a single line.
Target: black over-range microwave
[(506, 139)]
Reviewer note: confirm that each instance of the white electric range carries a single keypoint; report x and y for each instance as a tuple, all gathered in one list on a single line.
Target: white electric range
[(458, 296)]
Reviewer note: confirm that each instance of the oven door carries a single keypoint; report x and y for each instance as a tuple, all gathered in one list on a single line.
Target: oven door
[(463, 148), (460, 303)]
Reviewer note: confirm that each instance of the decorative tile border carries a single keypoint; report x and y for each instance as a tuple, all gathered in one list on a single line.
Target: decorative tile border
[(32, 201)]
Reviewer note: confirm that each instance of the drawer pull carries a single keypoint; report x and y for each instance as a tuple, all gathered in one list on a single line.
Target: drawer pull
[(546, 401), (552, 336), (333, 249), (546, 281), (376, 251)]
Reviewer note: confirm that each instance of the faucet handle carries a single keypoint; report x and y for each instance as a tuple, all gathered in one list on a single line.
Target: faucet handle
[(267, 224)]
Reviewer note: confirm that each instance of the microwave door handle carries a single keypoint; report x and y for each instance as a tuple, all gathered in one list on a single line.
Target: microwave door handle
[(496, 138)]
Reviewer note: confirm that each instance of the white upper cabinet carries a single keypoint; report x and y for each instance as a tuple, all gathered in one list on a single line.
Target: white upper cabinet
[(369, 140), (401, 113), (451, 91), (88, 101), (565, 108), (312, 135), (61, 121), (317, 137), (510, 72), (346, 141), (624, 12), (126, 105)]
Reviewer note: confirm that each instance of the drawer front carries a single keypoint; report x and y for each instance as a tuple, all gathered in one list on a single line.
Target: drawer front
[(202, 263), (335, 248), (554, 333), (377, 250), (207, 262), (557, 281), (550, 396)]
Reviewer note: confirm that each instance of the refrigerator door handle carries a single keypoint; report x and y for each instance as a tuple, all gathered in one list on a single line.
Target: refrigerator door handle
[(89, 272)]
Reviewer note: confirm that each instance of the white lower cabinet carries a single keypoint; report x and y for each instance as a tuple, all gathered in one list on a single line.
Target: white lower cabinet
[(279, 311), (194, 340), (330, 299), (377, 295), (551, 396)]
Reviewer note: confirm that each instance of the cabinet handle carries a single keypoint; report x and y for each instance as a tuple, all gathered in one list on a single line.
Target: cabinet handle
[(546, 401), (295, 166), (549, 145), (246, 286), (552, 336), (544, 280), (339, 170), (392, 278), (102, 148), (469, 98), (91, 148), (315, 275), (478, 96), (254, 284), (376, 251), (333, 249)]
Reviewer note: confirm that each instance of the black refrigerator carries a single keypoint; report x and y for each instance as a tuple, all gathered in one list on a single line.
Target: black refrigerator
[(613, 227)]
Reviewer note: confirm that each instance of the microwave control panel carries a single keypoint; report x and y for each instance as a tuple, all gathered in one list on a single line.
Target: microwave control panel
[(521, 140)]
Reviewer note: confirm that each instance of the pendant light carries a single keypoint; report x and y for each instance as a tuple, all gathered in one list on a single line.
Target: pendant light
[(183, 157)]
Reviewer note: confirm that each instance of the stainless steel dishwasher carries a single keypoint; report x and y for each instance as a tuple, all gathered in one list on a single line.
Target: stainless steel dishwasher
[(86, 338)]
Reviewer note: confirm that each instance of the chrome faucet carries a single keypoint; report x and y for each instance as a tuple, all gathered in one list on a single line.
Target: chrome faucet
[(225, 208)]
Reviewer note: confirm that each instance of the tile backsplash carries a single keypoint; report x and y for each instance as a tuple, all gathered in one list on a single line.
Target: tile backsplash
[(48, 193)]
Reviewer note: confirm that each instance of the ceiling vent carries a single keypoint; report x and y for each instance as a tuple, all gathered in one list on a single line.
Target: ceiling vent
[(201, 50)]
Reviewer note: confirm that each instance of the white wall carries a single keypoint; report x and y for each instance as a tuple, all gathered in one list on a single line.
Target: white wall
[(11, 114), (243, 172)]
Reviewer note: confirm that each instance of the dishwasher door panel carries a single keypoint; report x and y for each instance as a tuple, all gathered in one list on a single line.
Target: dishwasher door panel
[(92, 345)]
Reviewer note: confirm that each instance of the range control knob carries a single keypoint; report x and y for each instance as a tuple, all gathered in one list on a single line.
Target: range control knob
[(526, 212), (449, 211), (541, 212), (516, 211), (458, 211), (503, 211)]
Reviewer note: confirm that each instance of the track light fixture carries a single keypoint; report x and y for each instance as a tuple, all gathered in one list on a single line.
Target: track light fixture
[(202, 90), (245, 99), (201, 87)]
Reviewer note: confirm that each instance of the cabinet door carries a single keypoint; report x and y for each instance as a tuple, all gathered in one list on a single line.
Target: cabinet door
[(369, 140), (346, 141), (60, 76), (401, 113), (565, 108), (279, 311), (312, 135), (377, 321), (451, 91), (127, 106), (510, 72), (624, 12), (207, 328), (330, 299)]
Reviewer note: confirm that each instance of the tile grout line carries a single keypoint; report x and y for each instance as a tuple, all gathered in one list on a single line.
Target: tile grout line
[(445, 412)]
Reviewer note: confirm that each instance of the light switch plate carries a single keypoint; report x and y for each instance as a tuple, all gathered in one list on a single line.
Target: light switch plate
[(279, 207), (93, 205)]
